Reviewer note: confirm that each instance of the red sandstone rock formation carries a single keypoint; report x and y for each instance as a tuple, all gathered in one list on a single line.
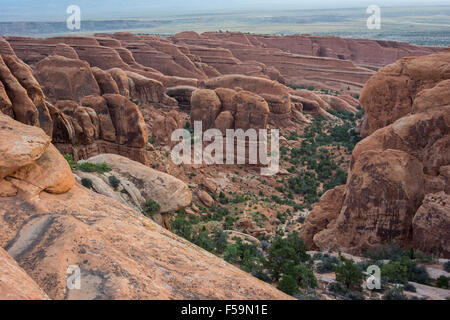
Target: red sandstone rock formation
[(398, 181), (391, 93)]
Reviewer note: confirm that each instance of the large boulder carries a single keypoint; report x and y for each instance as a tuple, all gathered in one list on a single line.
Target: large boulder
[(50, 173), (324, 214), (383, 192), (391, 172), (390, 94), (65, 79), (276, 94), (251, 111), (120, 253), (171, 194), (20, 145), (205, 107)]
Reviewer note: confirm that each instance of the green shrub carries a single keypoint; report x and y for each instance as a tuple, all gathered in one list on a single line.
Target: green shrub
[(385, 252), (244, 254), (337, 288), (349, 274), (285, 253), (395, 272), (87, 183), (93, 167), (447, 266), (220, 241), (442, 282), (151, 207), (181, 226), (288, 285), (203, 240), (327, 264), (304, 276), (113, 182), (69, 159), (394, 294), (409, 287)]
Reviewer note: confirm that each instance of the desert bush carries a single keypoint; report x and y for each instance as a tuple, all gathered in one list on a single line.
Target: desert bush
[(394, 294), (442, 282), (87, 183), (151, 207), (288, 285), (409, 287), (284, 253), (394, 272), (447, 266), (93, 167), (348, 274), (327, 264), (114, 181)]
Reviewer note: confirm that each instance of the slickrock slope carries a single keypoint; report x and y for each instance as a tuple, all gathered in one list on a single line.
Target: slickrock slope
[(121, 254), (15, 283), (397, 188)]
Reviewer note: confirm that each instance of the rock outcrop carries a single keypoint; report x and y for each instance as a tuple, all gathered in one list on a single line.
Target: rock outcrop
[(390, 94), (431, 225), (104, 124), (65, 79), (397, 188), (119, 252)]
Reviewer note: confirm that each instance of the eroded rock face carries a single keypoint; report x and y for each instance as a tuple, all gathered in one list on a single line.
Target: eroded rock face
[(103, 124), (65, 79), (163, 128), (276, 94), (391, 93), (15, 283), (431, 225), (205, 107), (391, 172), (323, 215)]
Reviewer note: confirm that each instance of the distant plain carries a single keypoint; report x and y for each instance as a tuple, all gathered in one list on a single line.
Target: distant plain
[(422, 25)]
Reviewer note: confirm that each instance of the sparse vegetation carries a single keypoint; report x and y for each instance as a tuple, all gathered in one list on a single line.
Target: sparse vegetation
[(151, 207), (114, 181), (348, 274), (87, 183), (87, 166)]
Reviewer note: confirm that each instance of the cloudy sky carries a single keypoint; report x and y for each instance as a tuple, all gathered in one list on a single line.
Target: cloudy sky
[(55, 10)]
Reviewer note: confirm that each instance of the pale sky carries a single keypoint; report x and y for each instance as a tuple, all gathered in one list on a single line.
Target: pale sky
[(54, 10)]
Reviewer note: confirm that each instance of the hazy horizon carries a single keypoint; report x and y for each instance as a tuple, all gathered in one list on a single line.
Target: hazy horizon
[(55, 10)]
